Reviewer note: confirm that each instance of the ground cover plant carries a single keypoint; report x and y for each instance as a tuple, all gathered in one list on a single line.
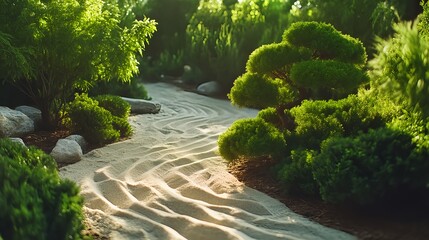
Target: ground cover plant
[(36, 203)]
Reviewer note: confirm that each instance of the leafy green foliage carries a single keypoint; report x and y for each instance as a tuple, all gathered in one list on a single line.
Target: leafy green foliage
[(321, 76), (308, 70), (363, 19), (423, 24), (36, 203), (72, 44), (220, 37), (90, 120), (296, 174), (326, 42), (253, 90), (251, 138), (133, 89), (370, 167), (115, 105), (317, 121), (122, 125), (400, 68), (274, 57)]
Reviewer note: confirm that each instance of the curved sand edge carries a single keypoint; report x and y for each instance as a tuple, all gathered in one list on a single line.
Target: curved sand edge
[(168, 182)]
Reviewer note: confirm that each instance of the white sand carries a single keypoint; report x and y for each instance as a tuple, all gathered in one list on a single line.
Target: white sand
[(168, 182)]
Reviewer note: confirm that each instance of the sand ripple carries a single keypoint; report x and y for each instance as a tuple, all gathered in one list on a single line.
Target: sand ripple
[(168, 182)]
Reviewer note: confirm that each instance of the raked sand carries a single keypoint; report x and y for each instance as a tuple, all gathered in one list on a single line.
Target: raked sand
[(168, 181)]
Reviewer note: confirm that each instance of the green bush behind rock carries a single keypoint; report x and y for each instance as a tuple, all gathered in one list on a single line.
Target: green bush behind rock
[(36, 203)]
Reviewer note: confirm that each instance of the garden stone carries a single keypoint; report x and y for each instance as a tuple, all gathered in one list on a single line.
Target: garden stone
[(140, 106), (31, 112), (80, 140), (211, 88), (67, 151), (18, 140), (14, 123)]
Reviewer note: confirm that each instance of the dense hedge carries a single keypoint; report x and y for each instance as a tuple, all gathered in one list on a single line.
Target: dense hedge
[(35, 202), (371, 167), (251, 138), (99, 122)]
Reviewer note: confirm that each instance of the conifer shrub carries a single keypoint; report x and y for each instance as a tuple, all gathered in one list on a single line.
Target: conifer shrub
[(316, 121), (326, 41), (314, 61), (272, 57), (251, 138), (115, 105), (132, 89), (400, 68), (296, 175), (371, 167), (253, 90), (122, 125), (270, 115), (322, 75), (36, 203), (90, 120)]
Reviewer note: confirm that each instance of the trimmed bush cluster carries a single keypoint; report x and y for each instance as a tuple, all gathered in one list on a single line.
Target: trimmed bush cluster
[(100, 120), (302, 67), (252, 138), (371, 167), (342, 141), (36, 203)]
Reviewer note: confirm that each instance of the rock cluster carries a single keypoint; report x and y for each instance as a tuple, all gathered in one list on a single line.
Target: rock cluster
[(24, 120)]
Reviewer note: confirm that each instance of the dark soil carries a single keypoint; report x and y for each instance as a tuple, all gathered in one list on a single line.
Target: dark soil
[(408, 221)]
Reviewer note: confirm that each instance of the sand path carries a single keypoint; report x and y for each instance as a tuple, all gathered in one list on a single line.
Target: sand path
[(168, 182)]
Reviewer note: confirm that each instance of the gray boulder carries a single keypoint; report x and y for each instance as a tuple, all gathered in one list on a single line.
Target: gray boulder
[(211, 88), (18, 140), (31, 112), (140, 106), (67, 151), (80, 140), (14, 123)]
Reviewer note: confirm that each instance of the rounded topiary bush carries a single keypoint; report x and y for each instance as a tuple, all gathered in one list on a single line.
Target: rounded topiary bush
[(326, 41), (272, 57), (35, 202), (327, 74), (371, 167), (114, 104), (254, 90), (296, 174), (93, 122), (251, 138)]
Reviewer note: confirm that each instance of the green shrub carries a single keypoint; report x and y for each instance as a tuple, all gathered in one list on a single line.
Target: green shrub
[(326, 41), (251, 138), (220, 37), (132, 89), (122, 125), (303, 68), (423, 25), (36, 203), (363, 19), (93, 122), (321, 76), (318, 120), (254, 90), (272, 58), (296, 174), (271, 116), (400, 68), (114, 104), (371, 167)]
